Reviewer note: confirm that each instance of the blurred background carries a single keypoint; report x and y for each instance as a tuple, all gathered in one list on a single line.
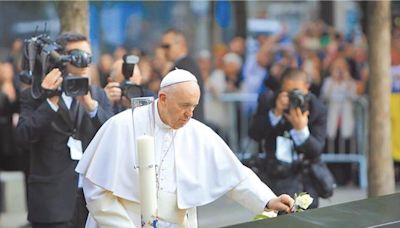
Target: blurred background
[(139, 24)]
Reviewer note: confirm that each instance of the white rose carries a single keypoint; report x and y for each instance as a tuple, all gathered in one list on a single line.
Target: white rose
[(303, 201), (269, 214)]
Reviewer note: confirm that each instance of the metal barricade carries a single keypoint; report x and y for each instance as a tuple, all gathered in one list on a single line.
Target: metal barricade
[(239, 119), (358, 146)]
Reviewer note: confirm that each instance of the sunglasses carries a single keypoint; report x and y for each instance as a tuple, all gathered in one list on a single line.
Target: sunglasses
[(165, 46)]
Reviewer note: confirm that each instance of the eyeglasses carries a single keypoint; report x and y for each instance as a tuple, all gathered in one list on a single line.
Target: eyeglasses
[(165, 46)]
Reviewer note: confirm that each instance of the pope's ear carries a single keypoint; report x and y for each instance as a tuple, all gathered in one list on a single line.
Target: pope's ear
[(162, 97)]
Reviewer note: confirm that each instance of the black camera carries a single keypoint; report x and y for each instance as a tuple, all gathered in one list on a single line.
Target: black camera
[(74, 86), (41, 55), (297, 99), (129, 89)]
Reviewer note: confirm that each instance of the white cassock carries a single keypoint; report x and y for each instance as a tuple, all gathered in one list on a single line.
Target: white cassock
[(197, 168)]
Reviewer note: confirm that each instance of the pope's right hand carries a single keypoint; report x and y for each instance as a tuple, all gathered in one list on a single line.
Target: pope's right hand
[(281, 203)]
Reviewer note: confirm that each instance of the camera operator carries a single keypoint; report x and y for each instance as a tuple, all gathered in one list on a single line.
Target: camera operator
[(290, 124), (118, 89), (58, 128)]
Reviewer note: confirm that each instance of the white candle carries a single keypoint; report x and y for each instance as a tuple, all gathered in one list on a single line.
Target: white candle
[(147, 175)]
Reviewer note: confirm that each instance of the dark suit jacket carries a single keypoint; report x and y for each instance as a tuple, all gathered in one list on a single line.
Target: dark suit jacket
[(187, 63), (7, 109), (52, 181), (262, 131)]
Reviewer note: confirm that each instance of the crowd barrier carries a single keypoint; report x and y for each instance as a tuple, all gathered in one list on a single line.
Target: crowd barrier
[(356, 153)]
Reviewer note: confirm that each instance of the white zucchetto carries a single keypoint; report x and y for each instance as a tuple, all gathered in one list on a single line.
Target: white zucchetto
[(177, 76)]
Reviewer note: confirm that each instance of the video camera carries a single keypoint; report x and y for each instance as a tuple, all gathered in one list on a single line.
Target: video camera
[(297, 99), (41, 55), (129, 89)]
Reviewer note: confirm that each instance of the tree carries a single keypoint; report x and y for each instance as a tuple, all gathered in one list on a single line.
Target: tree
[(239, 8), (326, 11), (74, 16), (380, 172)]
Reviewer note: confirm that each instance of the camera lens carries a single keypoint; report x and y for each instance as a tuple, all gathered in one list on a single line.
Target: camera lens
[(297, 100), (75, 86), (72, 86), (80, 58)]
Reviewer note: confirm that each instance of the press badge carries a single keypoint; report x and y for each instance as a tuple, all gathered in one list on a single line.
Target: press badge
[(75, 148), (284, 148)]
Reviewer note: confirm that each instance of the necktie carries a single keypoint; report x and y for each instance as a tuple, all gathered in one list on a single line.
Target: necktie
[(73, 109)]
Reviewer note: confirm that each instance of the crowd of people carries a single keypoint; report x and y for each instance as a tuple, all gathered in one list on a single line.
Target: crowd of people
[(46, 137)]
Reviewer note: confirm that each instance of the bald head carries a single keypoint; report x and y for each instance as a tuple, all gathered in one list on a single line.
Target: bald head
[(174, 43), (177, 36)]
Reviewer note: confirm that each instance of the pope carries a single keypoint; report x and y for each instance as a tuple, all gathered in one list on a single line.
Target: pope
[(194, 165)]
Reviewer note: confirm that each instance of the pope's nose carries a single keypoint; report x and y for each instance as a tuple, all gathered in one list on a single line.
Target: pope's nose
[(189, 113)]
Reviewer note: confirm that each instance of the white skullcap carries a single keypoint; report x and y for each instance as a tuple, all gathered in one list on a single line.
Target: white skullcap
[(177, 76)]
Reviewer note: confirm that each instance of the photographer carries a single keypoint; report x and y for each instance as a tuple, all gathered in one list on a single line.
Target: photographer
[(123, 87), (58, 128), (291, 125), (8, 106)]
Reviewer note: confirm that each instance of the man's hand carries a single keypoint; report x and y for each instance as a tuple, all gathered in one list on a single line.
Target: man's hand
[(281, 103), (8, 89), (87, 102), (6, 81), (282, 203), (298, 119), (125, 102), (6, 73), (52, 81), (113, 92)]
